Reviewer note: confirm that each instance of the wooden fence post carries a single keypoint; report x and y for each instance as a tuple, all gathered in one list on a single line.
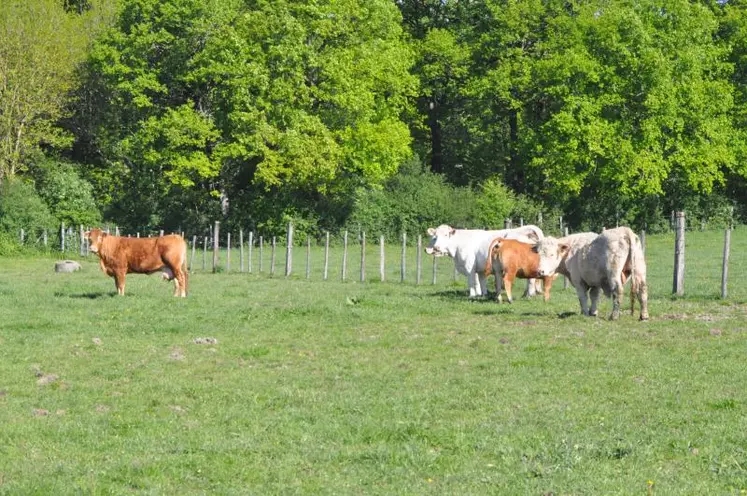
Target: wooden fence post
[(326, 255), (308, 257), (382, 266), (565, 279), (241, 250), (403, 262), (363, 256), (251, 247), (160, 233), (192, 258), (272, 257), (725, 265), (678, 283), (216, 245), (419, 259), (643, 241), (23, 235), (82, 241), (228, 251), (62, 237), (344, 255), (46, 238), (204, 252), (261, 253), (435, 269), (116, 230), (289, 250)]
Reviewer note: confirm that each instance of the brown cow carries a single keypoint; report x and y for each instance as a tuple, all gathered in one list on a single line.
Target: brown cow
[(119, 256), (508, 259)]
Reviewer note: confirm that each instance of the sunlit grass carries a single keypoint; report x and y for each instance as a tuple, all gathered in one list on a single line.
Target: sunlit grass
[(347, 388)]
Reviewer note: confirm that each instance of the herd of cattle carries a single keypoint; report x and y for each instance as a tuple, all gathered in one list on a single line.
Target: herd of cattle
[(591, 262)]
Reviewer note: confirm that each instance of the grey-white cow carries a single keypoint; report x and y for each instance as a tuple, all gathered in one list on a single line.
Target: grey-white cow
[(595, 262)]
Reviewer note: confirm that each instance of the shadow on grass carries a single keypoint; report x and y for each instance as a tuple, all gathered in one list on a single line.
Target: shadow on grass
[(89, 296)]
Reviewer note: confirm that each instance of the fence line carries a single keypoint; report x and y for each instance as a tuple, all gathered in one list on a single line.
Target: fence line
[(77, 242)]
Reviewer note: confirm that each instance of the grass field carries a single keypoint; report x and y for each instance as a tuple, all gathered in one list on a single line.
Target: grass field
[(330, 387)]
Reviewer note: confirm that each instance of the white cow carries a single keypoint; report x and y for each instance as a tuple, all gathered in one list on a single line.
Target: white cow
[(469, 248), (594, 262)]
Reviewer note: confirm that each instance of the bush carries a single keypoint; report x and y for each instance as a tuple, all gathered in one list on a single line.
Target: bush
[(22, 208), (411, 201), (69, 197)]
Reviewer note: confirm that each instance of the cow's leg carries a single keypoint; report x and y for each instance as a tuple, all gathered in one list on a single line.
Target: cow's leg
[(482, 282), (119, 281), (498, 288), (643, 299), (531, 288), (617, 295), (474, 285), (547, 283), (508, 281), (581, 290), (594, 293)]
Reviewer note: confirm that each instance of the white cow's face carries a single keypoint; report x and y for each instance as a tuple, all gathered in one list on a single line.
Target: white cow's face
[(551, 253), (440, 240)]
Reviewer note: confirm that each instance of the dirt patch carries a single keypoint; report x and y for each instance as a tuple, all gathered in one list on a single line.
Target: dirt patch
[(39, 412), (97, 341), (715, 332), (47, 379), (205, 341), (102, 408), (177, 354)]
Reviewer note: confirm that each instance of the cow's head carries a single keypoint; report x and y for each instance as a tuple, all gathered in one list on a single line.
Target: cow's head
[(95, 237), (440, 240), (551, 253)]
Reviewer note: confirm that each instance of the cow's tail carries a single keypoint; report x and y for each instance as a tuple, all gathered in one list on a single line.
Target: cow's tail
[(637, 267), (489, 262)]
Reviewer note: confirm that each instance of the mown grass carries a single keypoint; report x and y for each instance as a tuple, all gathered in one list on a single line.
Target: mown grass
[(375, 388)]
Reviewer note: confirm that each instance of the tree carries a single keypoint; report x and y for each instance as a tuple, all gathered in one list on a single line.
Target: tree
[(40, 46), (247, 99)]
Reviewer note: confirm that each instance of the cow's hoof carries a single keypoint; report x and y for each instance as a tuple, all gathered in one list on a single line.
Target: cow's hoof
[(643, 317)]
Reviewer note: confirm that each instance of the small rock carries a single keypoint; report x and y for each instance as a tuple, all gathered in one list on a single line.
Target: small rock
[(205, 341), (96, 341), (67, 266)]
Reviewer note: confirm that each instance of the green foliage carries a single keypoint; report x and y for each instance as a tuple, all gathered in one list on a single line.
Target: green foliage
[(22, 208), (68, 196), (41, 44), (495, 203), (411, 201), (244, 99)]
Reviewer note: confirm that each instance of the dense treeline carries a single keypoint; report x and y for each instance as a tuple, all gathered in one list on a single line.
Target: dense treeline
[(385, 115)]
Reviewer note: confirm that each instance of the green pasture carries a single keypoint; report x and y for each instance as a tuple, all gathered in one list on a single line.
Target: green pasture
[(332, 387)]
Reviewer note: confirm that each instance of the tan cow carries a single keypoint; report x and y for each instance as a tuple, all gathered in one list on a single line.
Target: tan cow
[(595, 263), (509, 259), (119, 256)]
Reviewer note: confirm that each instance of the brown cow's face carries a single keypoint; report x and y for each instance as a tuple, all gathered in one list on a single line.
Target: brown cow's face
[(551, 253), (95, 237)]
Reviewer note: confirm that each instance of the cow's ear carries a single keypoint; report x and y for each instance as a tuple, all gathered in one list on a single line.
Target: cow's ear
[(451, 233), (431, 231), (563, 249), (535, 248)]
